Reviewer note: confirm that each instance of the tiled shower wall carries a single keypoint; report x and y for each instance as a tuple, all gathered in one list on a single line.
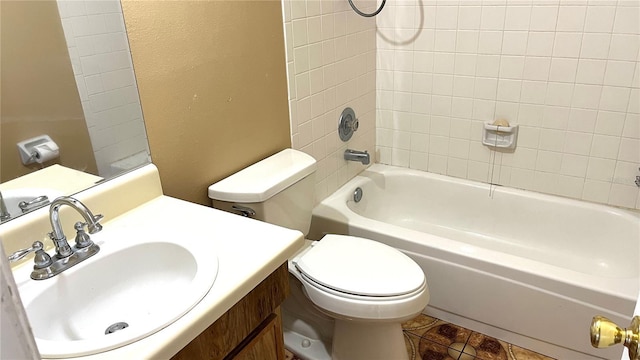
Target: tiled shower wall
[(566, 71), (330, 65), (101, 61)]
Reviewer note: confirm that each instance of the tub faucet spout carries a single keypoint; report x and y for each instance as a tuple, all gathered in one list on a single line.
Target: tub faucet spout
[(355, 155)]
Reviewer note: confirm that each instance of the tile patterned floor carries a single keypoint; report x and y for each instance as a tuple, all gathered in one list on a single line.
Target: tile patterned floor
[(428, 338)]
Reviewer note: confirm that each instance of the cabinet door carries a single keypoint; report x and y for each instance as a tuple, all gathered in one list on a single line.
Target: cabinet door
[(267, 344)]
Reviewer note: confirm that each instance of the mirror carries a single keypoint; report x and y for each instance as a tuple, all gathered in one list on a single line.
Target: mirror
[(67, 74)]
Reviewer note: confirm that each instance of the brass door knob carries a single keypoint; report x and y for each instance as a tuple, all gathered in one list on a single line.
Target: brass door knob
[(605, 333)]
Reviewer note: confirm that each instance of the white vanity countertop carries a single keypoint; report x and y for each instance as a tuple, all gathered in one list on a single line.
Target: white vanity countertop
[(247, 250)]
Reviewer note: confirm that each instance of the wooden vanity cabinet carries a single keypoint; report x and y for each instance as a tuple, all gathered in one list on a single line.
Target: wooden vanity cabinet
[(250, 330)]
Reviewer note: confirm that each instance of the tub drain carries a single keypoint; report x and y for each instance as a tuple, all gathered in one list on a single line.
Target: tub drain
[(115, 327), (357, 195)]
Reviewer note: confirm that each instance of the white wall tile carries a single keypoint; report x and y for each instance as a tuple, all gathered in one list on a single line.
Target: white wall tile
[(467, 41), (596, 191), (566, 71), (627, 21), (514, 42), (559, 94), (512, 67), (533, 92), (629, 150), (614, 98), (586, 96), (634, 101), (509, 90), (625, 172), (577, 143), (631, 127), (469, 17), (490, 42), (517, 17), (445, 40), (563, 70), (590, 71), (437, 164), (624, 47), (574, 165), (540, 43), (599, 18), (487, 65), (604, 146), (571, 18), (567, 44), (619, 73), (446, 17), (314, 29), (541, 68), (595, 46), (601, 169), (492, 18), (543, 18), (623, 195), (609, 123), (582, 120)]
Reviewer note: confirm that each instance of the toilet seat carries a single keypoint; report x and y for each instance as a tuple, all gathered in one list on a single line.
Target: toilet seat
[(348, 277), (310, 282), (358, 268)]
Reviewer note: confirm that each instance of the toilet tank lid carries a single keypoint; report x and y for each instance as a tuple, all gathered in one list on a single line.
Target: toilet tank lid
[(265, 178)]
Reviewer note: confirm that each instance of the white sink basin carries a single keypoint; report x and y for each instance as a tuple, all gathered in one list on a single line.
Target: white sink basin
[(130, 289)]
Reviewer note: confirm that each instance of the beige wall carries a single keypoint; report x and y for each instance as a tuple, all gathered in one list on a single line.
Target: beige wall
[(211, 76), (39, 93)]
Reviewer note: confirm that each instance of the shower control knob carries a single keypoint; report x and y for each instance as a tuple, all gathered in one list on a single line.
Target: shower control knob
[(347, 124), (605, 333)]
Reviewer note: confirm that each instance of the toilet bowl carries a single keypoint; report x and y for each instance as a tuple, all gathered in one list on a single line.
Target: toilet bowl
[(360, 279), (349, 294)]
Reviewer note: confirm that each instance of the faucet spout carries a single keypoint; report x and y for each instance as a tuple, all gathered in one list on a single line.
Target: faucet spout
[(355, 155), (57, 235)]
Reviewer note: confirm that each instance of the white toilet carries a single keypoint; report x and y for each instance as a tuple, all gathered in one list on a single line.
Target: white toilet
[(360, 291)]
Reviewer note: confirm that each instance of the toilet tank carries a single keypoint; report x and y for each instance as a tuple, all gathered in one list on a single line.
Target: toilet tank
[(280, 189)]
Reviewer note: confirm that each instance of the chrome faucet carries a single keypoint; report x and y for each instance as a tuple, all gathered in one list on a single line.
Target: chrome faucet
[(355, 155), (57, 236), (66, 256)]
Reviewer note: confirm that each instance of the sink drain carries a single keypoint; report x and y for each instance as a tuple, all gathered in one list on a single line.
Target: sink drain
[(115, 327)]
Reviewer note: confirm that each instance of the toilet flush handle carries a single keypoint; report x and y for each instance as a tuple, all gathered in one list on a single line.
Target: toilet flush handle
[(244, 211), (605, 333)]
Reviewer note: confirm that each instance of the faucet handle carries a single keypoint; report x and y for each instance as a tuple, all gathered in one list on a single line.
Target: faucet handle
[(94, 226), (82, 238), (42, 259), (24, 252), (26, 206)]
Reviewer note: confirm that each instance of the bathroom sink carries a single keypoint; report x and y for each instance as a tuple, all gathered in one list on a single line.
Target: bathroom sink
[(129, 290)]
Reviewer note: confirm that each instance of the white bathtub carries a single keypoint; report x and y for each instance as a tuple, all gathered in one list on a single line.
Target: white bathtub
[(524, 267)]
